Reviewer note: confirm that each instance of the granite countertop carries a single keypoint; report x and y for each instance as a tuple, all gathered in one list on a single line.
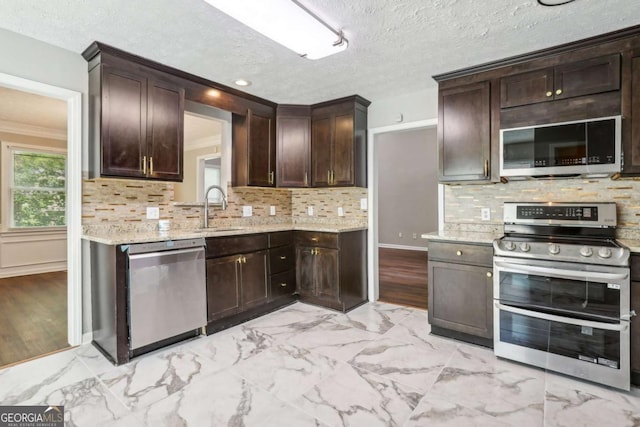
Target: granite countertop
[(129, 237), (463, 236)]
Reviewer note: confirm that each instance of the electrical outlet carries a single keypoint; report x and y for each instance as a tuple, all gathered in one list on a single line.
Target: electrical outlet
[(485, 214), (400, 234), (363, 204), (272, 210), (415, 235), (340, 211), (247, 211), (310, 210), (153, 212)]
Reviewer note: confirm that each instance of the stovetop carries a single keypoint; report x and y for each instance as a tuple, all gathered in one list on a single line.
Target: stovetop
[(570, 232)]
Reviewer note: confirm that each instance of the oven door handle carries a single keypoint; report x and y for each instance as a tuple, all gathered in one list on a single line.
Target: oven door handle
[(559, 272), (561, 319)]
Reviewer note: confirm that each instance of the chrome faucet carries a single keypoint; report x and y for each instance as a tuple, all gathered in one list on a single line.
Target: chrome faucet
[(206, 202)]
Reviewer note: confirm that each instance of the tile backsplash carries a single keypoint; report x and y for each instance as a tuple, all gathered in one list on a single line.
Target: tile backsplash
[(463, 203), (122, 202)]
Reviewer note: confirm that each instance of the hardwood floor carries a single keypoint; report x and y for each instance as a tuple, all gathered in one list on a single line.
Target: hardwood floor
[(403, 277), (33, 316)]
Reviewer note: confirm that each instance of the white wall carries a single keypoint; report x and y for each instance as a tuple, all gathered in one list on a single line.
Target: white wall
[(38, 61), (419, 105)]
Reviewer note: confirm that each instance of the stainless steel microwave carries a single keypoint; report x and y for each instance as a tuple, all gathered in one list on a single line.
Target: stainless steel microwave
[(585, 147)]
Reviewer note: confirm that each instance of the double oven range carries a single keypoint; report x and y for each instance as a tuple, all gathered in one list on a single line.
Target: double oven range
[(562, 291)]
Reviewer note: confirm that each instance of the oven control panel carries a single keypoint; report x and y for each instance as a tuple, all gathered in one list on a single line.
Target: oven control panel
[(578, 213), (592, 215)]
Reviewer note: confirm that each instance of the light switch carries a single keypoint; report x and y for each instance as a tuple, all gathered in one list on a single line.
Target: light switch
[(153, 212), (247, 211), (363, 204), (340, 211), (310, 211), (272, 210)]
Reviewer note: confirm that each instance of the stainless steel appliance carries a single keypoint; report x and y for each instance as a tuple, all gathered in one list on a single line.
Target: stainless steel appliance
[(586, 147), (562, 291), (166, 290)]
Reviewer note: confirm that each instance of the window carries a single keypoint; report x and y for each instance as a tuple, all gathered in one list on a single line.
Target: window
[(36, 186)]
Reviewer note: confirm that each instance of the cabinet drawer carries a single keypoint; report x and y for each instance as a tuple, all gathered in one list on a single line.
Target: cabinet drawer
[(312, 238), (281, 259), (283, 284), (222, 246), (282, 238), (461, 253)]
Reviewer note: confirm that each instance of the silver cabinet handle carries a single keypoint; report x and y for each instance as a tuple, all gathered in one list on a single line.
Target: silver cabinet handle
[(144, 165), (284, 285), (562, 319), (283, 257)]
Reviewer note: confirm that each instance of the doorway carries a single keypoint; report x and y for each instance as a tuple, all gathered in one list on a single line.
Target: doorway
[(40, 219), (405, 199)]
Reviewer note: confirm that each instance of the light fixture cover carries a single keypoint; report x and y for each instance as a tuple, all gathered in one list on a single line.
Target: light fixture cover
[(285, 22)]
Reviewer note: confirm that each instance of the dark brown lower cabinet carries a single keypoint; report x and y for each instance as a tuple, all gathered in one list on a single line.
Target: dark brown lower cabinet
[(245, 277), (236, 283), (331, 268), (461, 291)]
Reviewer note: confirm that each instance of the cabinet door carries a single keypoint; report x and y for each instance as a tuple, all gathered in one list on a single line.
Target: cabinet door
[(321, 146), (342, 171), (325, 274), (305, 271), (587, 77), (294, 151), (165, 130), (283, 284), (253, 273), (464, 133), (261, 150), (635, 327), (526, 88), (631, 139), (223, 287), (124, 124), (461, 298)]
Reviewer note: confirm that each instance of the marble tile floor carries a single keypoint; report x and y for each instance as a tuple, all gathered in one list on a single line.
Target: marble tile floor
[(304, 365)]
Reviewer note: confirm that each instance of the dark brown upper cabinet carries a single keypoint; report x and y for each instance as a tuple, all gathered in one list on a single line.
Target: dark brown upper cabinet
[(136, 121), (339, 143), (587, 77), (254, 148), (464, 133), (631, 126), (293, 146)]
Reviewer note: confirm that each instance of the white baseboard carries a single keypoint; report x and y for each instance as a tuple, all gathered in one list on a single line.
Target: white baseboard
[(403, 247), (25, 270)]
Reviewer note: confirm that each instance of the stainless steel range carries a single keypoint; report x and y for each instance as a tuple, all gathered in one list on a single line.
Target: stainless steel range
[(561, 291)]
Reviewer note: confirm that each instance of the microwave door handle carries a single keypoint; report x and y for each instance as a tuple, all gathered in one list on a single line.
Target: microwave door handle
[(558, 272), (560, 319)]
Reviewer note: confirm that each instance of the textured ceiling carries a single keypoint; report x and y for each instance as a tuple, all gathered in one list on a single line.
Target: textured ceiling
[(394, 46)]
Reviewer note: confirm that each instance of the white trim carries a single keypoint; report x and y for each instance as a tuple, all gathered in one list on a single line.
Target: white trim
[(199, 173), (87, 337), (32, 130), (403, 247), (74, 192), (372, 194)]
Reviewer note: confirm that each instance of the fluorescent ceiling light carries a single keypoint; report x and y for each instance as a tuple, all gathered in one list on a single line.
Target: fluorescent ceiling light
[(286, 22)]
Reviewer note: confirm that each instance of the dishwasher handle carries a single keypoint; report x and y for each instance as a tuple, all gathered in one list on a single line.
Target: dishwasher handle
[(164, 253)]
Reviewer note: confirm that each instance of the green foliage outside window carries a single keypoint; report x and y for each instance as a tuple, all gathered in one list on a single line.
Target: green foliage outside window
[(38, 190)]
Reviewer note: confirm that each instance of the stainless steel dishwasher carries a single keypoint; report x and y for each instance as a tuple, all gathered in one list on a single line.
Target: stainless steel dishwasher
[(167, 292)]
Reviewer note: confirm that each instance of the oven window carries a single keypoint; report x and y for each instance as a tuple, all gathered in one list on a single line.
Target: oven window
[(590, 345), (563, 296)]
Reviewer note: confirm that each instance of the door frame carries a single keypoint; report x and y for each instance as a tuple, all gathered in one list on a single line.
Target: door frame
[(372, 194), (74, 193)]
